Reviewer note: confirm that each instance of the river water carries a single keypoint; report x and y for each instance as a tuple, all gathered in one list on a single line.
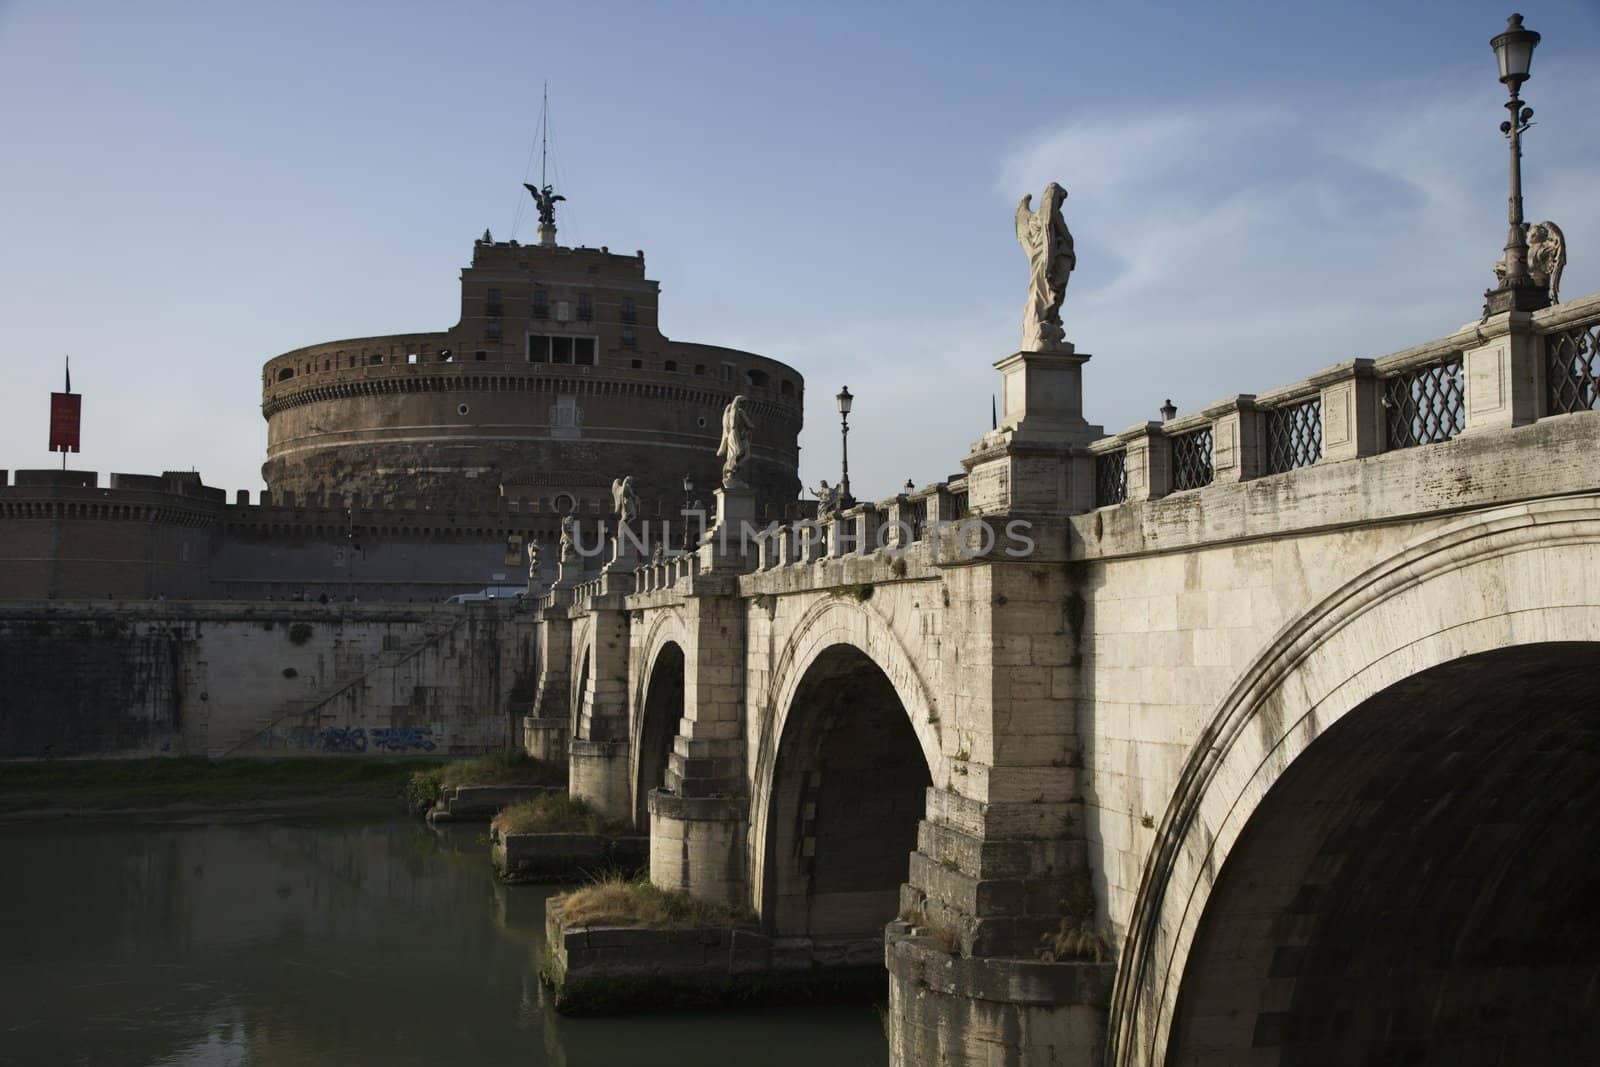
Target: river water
[(347, 942)]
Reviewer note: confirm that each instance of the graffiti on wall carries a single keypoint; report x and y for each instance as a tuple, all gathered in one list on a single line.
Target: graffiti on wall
[(353, 740)]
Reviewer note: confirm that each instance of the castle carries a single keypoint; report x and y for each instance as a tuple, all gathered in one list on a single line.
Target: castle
[(413, 467)]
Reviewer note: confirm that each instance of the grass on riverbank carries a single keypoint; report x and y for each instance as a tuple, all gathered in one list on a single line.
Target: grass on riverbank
[(125, 781), (619, 901), (557, 814), (497, 768)]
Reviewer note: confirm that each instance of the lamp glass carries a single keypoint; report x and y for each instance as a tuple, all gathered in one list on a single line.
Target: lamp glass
[(844, 398), (1513, 50)]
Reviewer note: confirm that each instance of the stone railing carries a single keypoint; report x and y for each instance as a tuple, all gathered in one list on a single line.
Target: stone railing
[(1506, 371), (894, 524), (665, 573)]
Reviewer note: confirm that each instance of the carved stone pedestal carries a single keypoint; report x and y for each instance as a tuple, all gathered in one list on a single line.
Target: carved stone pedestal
[(1036, 461), (730, 539)]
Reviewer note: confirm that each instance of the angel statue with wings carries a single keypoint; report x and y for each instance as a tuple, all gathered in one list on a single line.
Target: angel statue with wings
[(1547, 257), (734, 451), (624, 501), (1048, 242)]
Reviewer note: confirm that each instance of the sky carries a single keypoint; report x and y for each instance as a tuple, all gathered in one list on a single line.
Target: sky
[(1256, 190)]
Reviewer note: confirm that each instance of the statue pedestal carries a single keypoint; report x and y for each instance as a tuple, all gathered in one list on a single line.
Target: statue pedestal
[(1042, 395), (732, 535), (1036, 461), (569, 572), (626, 554)]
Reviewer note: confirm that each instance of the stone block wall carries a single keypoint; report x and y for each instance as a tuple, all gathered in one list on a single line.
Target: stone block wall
[(95, 680)]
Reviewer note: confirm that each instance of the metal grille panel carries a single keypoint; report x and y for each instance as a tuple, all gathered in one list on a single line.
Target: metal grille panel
[(1294, 435), (1110, 478), (1426, 405), (1572, 370), (1191, 460), (914, 513), (958, 505)]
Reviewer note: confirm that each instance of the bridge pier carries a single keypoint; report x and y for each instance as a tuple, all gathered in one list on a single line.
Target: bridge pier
[(700, 817), (599, 753), (548, 726)]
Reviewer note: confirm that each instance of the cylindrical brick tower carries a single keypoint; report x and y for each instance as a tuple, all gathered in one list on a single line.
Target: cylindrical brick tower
[(555, 381)]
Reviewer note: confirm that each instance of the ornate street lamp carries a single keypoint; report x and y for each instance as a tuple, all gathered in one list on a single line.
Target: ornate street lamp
[(1517, 291), (844, 398)]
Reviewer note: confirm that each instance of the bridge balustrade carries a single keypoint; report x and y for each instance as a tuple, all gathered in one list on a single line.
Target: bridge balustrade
[(1193, 457), (1110, 478), (1425, 405), (1572, 369), (1294, 435)]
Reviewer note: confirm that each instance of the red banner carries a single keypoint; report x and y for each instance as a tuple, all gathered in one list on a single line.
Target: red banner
[(65, 409)]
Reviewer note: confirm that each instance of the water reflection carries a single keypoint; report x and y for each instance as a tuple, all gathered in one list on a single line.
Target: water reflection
[(292, 942)]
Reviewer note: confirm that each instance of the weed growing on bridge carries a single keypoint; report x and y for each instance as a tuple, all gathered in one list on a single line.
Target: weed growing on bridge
[(557, 814), (618, 901), (497, 768)]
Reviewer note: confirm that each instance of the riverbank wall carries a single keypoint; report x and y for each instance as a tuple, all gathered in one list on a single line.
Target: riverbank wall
[(118, 679)]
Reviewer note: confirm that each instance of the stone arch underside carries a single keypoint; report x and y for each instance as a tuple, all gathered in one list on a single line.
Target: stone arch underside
[(848, 790), (829, 624), (654, 733), (1419, 885), (1491, 583), (582, 664)]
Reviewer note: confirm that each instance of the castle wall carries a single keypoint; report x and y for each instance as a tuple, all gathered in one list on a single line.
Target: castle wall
[(95, 679)]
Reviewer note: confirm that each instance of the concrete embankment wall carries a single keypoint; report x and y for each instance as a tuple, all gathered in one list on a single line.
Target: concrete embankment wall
[(86, 679)]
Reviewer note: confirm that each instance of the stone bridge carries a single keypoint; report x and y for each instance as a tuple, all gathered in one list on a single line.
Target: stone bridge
[(1253, 736)]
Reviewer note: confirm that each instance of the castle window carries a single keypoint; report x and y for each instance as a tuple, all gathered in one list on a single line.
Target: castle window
[(638, 364), (445, 356), (628, 338), (787, 388), (480, 355), (491, 329), (727, 372), (285, 374), (699, 368), (411, 359), (563, 310), (628, 312), (376, 359), (326, 365), (541, 303), (757, 378), (492, 304), (585, 308), (670, 366), (561, 350)]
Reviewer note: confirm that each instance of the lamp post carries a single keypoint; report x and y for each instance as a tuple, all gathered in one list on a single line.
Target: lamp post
[(1517, 290), (844, 398), (688, 507)]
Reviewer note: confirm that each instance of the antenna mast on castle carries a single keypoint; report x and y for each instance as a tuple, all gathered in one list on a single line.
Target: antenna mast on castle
[(543, 195)]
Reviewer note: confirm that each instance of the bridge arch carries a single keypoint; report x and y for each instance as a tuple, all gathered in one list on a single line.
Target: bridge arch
[(582, 662), (849, 744), (657, 706), (1387, 713)]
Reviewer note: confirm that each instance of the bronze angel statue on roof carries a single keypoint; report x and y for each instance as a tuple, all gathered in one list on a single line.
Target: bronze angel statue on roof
[(546, 199)]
